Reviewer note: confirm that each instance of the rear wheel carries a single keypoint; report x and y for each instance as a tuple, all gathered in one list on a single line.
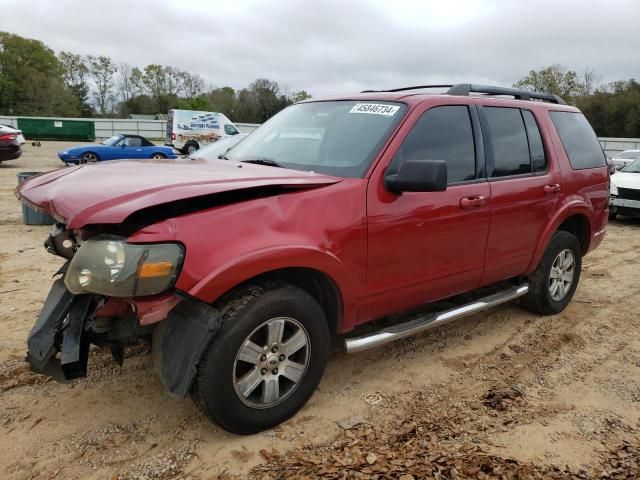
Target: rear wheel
[(267, 360), (89, 157), (158, 155), (554, 282), (191, 147), (613, 212)]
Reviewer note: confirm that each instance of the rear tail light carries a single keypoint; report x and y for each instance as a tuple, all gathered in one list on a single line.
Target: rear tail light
[(173, 136), (8, 136)]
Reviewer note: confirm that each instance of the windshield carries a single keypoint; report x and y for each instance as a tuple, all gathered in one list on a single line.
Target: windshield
[(633, 167), (628, 155), (113, 140), (215, 149), (338, 138)]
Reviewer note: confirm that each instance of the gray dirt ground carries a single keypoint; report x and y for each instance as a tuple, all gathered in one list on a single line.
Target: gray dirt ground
[(576, 378)]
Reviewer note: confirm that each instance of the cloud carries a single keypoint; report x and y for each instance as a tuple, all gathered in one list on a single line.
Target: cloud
[(331, 46)]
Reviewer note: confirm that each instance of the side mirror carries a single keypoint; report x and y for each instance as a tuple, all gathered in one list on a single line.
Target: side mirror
[(418, 176)]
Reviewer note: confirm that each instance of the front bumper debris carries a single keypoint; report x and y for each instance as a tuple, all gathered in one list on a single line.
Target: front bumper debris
[(57, 343)]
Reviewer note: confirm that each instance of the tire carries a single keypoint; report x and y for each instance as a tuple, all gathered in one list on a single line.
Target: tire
[(88, 157), (190, 148), (541, 297), (613, 213), (158, 155), (231, 384)]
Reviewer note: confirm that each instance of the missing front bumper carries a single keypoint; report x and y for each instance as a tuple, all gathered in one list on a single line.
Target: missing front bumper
[(57, 345)]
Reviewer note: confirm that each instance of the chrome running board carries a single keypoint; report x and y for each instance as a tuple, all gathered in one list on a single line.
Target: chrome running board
[(432, 320)]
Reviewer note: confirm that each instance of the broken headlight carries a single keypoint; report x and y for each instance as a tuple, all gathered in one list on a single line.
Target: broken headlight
[(115, 268)]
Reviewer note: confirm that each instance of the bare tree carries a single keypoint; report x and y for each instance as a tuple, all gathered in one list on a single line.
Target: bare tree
[(75, 73), (192, 84), (102, 70), (125, 83), (588, 83)]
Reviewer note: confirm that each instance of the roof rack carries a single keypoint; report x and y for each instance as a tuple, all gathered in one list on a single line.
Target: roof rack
[(467, 88), (519, 94), (417, 87)]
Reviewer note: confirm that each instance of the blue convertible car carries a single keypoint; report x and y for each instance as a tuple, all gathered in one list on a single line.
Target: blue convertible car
[(115, 148)]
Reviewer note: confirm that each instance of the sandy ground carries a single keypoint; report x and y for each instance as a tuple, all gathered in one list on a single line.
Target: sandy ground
[(547, 392)]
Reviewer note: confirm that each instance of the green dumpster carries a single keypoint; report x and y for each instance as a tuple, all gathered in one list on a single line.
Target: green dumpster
[(57, 129)]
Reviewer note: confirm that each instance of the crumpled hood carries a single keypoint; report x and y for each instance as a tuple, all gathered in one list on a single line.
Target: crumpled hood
[(108, 192), (626, 180)]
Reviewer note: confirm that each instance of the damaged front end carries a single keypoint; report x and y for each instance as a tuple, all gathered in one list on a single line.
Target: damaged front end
[(113, 294)]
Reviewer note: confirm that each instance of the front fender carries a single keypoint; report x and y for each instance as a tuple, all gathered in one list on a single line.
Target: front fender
[(243, 268)]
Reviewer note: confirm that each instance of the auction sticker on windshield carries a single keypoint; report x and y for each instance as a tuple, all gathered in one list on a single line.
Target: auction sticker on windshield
[(375, 109)]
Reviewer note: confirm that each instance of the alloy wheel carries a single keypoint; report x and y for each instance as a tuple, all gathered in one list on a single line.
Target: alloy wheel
[(562, 274), (271, 362)]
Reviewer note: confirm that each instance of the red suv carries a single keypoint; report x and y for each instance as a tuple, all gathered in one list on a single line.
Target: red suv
[(334, 213)]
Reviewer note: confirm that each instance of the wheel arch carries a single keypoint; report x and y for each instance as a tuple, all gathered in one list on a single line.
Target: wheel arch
[(322, 275), (573, 219)]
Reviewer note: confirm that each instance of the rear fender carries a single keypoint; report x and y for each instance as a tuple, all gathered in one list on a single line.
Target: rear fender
[(572, 208)]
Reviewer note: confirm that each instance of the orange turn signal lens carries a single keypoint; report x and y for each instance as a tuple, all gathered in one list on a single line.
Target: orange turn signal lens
[(154, 270)]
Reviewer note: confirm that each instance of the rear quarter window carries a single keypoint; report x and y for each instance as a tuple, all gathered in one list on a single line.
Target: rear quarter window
[(579, 140)]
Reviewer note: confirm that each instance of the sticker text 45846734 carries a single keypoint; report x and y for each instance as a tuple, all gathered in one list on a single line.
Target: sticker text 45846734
[(375, 109)]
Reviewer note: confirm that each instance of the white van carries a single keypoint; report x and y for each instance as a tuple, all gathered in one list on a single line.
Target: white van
[(188, 130)]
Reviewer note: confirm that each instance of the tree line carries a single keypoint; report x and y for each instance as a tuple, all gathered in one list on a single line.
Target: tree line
[(35, 81), (613, 108)]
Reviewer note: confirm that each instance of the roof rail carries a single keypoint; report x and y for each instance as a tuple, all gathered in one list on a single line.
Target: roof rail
[(519, 94), (403, 89), (468, 88)]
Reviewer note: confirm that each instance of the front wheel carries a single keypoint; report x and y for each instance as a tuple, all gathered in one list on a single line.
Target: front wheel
[(554, 282), (88, 157), (158, 156), (266, 362)]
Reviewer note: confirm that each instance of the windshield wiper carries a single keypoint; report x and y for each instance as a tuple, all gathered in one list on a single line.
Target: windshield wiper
[(262, 161)]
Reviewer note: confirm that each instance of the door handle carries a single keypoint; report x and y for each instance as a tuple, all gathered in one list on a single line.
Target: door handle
[(554, 188), (474, 201)]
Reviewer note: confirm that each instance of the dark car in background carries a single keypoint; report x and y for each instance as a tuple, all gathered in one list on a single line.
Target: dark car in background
[(9, 144)]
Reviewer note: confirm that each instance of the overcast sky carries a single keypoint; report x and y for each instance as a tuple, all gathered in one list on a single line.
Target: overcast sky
[(337, 46)]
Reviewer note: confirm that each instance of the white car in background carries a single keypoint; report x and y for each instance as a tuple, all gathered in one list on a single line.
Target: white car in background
[(215, 151), (623, 159), (625, 191), (4, 129)]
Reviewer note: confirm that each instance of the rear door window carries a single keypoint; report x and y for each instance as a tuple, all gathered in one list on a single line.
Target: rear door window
[(579, 140), (442, 133), (509, 141)]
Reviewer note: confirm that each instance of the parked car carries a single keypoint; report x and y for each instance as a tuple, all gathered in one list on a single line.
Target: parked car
[(332, 214), (10, 143), (9, 129), (188, 130), (215, 151), (118, 147), (623, 159), (625, 191)]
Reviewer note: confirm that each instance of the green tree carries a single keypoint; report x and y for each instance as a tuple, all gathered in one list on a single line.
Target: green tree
[(29, 74), (614, 109), (553, 79)]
